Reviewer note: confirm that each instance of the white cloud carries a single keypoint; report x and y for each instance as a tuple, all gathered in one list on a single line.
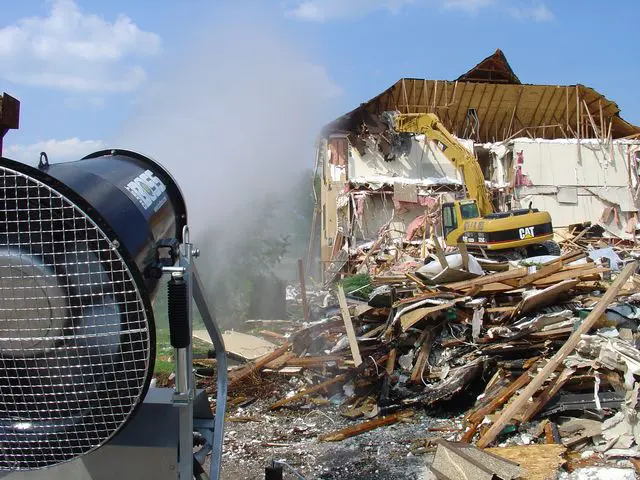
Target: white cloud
[(323, 10), (537, 12), (75, 51), (56, 150)]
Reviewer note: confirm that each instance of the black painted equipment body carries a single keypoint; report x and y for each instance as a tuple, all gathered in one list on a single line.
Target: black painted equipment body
[(77, 334)]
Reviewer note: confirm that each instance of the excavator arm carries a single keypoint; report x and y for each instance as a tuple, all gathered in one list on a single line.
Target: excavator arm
[(430, 125)]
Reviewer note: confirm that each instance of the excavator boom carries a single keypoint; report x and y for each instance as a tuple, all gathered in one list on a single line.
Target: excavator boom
[(472, 221), (431, 126)]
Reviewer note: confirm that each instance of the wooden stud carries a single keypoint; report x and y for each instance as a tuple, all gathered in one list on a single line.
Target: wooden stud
[(351, 334)]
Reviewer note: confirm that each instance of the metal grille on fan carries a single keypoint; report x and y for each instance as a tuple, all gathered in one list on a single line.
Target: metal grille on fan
[(74, 335)]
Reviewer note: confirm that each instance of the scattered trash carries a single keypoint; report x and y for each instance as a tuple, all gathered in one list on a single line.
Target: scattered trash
[(536, 359)]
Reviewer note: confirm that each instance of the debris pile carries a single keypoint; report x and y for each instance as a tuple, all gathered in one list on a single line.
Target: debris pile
[(539, 355)]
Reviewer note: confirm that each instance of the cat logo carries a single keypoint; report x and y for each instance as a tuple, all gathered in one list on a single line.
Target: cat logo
[(526, 232)]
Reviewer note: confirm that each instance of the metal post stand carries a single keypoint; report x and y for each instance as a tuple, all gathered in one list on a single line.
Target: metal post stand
[(184, 392)]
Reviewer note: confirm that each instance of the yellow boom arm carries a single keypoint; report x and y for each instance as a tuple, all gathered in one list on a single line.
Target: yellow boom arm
[(430, 125)]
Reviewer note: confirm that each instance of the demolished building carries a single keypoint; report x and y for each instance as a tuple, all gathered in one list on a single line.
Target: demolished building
[(562, 149)]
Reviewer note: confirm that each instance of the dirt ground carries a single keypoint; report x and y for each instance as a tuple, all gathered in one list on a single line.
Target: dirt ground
[(400, 451)]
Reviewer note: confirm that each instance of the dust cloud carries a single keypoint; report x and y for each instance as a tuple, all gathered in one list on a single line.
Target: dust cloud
[(233, 116)]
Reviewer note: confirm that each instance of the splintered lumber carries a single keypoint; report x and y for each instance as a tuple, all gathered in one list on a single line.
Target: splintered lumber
[(555, 361), (487, 279), (540, 461), (423, 354), (538, 403), (440, 253), (351, 334), (281, 361), (238, 375), (540, 273), (416, 280), (582, 271), (307, 391), (502, 397), (391, 361), (409, 319), (364, 427)]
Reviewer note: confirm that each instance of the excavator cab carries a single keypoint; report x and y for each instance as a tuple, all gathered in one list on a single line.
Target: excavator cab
[(454, 215)]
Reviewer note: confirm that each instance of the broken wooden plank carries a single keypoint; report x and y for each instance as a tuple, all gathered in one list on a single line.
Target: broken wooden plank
[(559, 357), (540, 273), (538, 403), (364, 427), (476, 417), (503, 396), (570, 274), (237, 376), (465, 255), (374, 332), (391, 361), (416, 280), (440, 253), (487, 279), (351, 334), (274, 335), (423, 354), (409, 319), (280, 362), (310, 390)]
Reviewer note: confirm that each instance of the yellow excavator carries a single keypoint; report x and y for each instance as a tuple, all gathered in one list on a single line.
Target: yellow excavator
[(505, 235)]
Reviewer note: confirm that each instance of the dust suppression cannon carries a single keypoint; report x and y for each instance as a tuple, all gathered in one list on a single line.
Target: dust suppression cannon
[(85, 247)]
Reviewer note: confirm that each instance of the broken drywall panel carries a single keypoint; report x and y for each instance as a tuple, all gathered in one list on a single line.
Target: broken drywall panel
[(587, 209), (560, 163), (568, 195), (403, 192), (621, 196), (418, 162)]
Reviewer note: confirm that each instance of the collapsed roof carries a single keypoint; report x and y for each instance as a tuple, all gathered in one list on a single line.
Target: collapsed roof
[(489, 104)]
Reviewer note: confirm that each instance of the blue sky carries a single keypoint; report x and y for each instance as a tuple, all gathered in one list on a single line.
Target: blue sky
[(83, 69)]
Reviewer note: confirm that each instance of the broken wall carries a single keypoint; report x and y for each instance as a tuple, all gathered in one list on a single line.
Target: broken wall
[(375, 211), (395, 188), (416, 159), (586, 181)]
